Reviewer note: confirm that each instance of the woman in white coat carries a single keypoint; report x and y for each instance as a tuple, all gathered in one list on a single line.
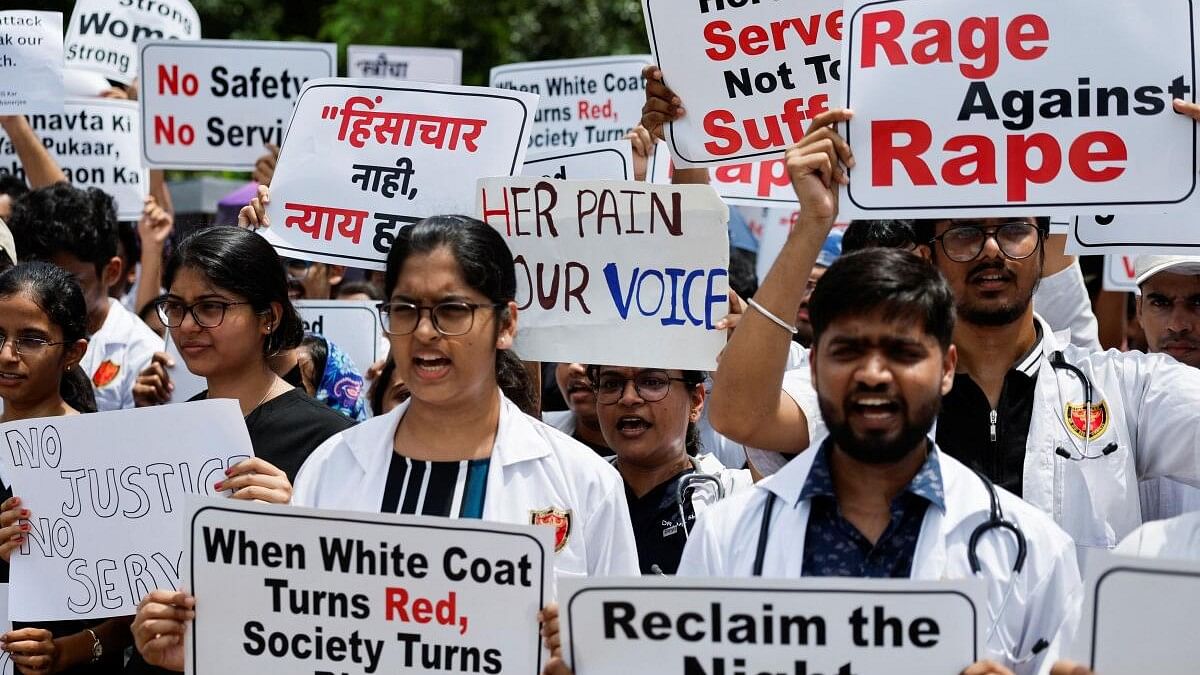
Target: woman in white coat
[(460, 446)]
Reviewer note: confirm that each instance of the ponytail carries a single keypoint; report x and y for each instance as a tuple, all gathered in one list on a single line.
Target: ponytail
[(515, 382), (76, 390)]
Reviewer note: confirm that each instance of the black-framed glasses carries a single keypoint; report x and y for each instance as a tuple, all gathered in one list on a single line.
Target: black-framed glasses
[(449, 318), (650, 386), (27, 346), (1017, 240), (206, 313)]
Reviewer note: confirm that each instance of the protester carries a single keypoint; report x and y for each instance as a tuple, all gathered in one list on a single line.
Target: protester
[(359, 290), (388, 390), (649, 416), (330, 377), (77, 230), (579, 421)]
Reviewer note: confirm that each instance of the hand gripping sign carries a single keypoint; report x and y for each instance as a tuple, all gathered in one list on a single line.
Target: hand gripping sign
[(291, 590), (363, 158), (615, 272), (750, 74), (214, 104), (973, 107), (103, 34), (805, 627)]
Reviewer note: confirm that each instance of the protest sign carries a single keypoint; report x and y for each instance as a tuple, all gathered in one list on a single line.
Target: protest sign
[(389, 155), (95, 142), (970, 107), (353, 325), (31, 62), (1135, 234), (1138, 613), (105, 494), (419, 64), (6, 666), (187, 384), (623, 273), (1118, 274), (604, 161), (103, 34), (214, 104), (291, 590), (762, 183), (583, 101), (827, 626), (751, 75)]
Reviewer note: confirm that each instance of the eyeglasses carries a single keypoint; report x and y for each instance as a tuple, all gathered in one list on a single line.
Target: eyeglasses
[(297, 269), (449, 318), (206, 313), (27, 346), (963, 243), (650, 387)]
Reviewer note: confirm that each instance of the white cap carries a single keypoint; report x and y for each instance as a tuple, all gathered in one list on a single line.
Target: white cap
[(6, 242), (1146, 266)]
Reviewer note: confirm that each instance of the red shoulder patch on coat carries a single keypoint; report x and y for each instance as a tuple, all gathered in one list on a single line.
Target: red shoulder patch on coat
[(559, 519), (105, 373)]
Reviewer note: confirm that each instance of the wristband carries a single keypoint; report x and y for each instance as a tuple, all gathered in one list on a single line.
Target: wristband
[(774, 319)]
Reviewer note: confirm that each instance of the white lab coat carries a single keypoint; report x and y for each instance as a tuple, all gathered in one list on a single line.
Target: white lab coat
[(1173, 539), (533, 467), (1046, 597)]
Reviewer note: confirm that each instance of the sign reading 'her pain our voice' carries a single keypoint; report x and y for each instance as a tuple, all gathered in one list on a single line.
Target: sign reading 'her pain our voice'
[(389, 155), (969, 106), (622, 273), (291, 590), (214, 104), (105, 494)]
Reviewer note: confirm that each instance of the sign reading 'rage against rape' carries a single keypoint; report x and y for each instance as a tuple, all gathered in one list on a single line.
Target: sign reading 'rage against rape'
[(105, 494), (975, 107), (95, 142), (1152, 234), (104, 34), (214, 104), (622, 273), (583, 101), (388, 155), (605, 161), (750, 74), (291, 590), (825, 626)]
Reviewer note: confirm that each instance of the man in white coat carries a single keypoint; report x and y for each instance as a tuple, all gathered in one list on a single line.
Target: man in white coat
[(876, 498)]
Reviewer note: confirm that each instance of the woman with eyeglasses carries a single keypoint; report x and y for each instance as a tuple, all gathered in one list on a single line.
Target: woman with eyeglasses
[(648, 417)]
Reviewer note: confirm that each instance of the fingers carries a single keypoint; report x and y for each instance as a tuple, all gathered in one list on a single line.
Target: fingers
[(1069, 668), (736, 309), (1182, 107), (986, 668), (153, 385), (556, 666), (662, 105), (551, 635), (161, 622), (264, 167), (254, 214), (31, 649), (257, 479)]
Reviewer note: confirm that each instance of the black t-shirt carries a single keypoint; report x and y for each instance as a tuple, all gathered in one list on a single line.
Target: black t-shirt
[(658, 526)]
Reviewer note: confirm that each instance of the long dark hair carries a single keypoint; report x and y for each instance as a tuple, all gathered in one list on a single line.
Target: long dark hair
[(242, 263), (487, 266), (57, 294), (691, 379)]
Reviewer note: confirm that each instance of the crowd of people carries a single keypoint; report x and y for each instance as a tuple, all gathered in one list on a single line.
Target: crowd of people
[(902, 399)]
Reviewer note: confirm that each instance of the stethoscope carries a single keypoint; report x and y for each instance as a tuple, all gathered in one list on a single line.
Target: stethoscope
[(688, 485), (996, 521), (1059, 362)]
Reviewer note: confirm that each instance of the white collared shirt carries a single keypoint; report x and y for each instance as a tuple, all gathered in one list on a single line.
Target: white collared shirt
[(116, 354)]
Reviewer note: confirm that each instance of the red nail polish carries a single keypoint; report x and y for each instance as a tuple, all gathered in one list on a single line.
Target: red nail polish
[(229, 471), (218, 485), (24, 513), (24, 527)]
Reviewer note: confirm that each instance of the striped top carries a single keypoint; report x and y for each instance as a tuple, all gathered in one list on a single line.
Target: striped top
[(426, 488)]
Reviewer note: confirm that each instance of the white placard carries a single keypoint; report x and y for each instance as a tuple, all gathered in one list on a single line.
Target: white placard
[(6, 666), (750, 74), (1140, 616), (391, 588), (105, 493), (966, 107), (353, 325), (215, 104), (619, 273), (1118, 273), (605, 161), (187, 384), (104, 34), (362, 159), (827, 626), (763, 183), (419, 64), (95, 142), (1134, 234), (583, 101), (31, 62)]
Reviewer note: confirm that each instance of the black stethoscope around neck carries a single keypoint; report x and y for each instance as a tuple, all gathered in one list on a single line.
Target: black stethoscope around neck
[(1059, 362)]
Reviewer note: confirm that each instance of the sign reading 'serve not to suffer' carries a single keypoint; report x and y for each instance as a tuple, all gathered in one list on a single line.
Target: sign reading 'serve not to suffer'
[(622, 273), (290, 590), (810, 626), (105, 494), (103, 34), (583, 101), (750, 74), (972, 107), (31, 62), (214, 104), (95, 142), (388, 155)]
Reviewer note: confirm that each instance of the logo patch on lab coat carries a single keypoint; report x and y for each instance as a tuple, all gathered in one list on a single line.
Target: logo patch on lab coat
[(1078, 423), (559, 519), (105, 373)]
